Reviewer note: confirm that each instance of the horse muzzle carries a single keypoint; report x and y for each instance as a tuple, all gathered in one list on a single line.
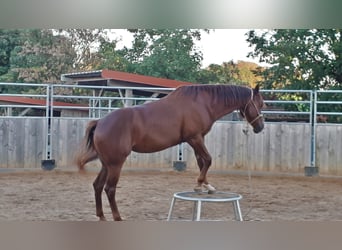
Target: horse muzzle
[(258, 128)]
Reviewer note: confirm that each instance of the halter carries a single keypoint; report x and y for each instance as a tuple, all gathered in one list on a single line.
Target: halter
[(244, 111)]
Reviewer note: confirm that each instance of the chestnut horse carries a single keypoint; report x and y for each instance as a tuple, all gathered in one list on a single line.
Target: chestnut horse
[(185, 115)]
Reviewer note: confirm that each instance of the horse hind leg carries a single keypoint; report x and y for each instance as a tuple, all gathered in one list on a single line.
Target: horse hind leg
[(98, 185), (110, 189)]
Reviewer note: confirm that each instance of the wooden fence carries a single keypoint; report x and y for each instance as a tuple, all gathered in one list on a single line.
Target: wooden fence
[(22, 142), (329, 148), (281, 147)]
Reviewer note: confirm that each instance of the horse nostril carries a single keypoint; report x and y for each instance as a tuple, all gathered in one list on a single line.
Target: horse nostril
[(258, 129)]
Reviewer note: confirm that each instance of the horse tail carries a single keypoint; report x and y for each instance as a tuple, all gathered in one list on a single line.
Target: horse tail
[(87, 151)]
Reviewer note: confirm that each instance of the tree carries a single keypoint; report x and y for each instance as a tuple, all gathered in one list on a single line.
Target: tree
[(8, 40), (109, 57), (242, 73), (165, 53), (299, 59), (85, 43), (247, 73), (36, 56)]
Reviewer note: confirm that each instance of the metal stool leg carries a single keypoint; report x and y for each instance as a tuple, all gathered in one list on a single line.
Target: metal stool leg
[(198, 214), (237, 210), (171, 208), (194, 211)]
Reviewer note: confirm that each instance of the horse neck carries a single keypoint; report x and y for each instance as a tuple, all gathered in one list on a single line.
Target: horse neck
[(240, 97)]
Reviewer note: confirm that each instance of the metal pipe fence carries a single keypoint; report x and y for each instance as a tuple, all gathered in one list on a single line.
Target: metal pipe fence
[(56, 101), (282, 105)]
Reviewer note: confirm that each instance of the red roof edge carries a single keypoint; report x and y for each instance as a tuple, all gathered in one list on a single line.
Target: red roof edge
[(38, 102), (148, 80)]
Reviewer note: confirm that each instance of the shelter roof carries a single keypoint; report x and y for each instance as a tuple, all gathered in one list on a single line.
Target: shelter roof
[(118, 78)]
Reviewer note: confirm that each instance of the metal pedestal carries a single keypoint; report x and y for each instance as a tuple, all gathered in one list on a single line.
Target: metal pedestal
[(198, 198)]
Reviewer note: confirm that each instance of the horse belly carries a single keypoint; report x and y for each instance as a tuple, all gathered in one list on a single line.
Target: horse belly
[(157, 138)]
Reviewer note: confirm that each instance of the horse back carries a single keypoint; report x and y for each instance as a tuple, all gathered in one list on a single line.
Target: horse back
[(154, 126)]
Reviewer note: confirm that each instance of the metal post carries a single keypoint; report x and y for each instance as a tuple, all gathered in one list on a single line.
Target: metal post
[(128, 94), (47, 115), (312, 170), (48, 163), (313, 132), (181, 152), (51, 119), (180, 164)]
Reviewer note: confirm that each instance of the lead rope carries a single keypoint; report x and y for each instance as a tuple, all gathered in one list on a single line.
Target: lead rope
[(250, 188)]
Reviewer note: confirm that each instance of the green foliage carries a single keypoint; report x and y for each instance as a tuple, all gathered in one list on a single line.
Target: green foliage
[(36, 56), (242, 73), (84, 43), (109, 57), (165, 53), (299, 59), (9, 39)]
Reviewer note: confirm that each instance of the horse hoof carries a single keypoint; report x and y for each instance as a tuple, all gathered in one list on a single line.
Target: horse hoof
[(102, 218), (205, 188), (209, 188), (198, 189)]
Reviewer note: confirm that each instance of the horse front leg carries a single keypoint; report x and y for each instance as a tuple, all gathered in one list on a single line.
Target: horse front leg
[(202, 181), (204, 161)]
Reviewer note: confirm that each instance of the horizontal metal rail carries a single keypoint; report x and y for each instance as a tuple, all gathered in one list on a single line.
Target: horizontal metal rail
[(309, 104), (326, 104)]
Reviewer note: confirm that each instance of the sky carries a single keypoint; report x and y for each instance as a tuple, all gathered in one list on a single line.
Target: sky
[(223, 45), (220, 45)]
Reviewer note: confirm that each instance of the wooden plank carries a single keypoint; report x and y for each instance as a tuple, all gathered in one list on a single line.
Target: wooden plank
[(266, 149), (211, 139), (241, 157), (322, 157), (33, 143), (259, 146), (229, 147), (294, 145), (332, 153), (223, 149), (4, 143), (338, 147), (16, 142)]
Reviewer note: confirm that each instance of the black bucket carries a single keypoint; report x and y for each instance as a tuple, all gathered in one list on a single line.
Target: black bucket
[(179, 165), (48, 164), (311, 171)]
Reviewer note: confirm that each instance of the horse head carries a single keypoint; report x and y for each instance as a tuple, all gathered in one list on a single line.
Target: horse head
[(252, 110)]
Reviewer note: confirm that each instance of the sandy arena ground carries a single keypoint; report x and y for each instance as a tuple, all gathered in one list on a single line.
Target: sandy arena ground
[(68, 196)]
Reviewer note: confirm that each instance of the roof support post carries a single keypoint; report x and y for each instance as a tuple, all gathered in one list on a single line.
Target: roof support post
[(9, 111), (128, 94)]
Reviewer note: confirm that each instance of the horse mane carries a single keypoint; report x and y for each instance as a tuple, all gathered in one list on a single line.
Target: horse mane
[(229, 94)]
